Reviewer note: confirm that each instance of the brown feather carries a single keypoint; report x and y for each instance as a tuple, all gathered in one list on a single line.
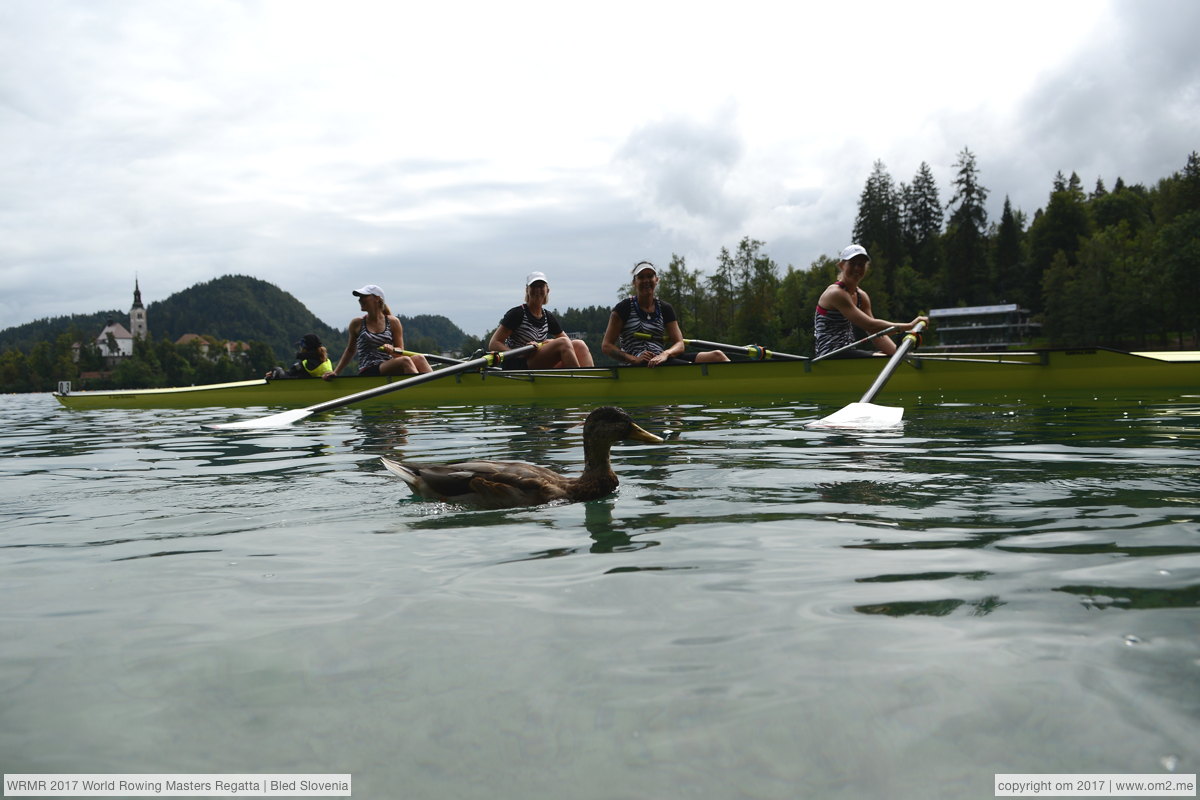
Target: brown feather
[(507, 484)]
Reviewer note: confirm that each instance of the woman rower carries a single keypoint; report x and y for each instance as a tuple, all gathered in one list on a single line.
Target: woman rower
[(532, 323), (377, 340), (645, 313), (843, 306)]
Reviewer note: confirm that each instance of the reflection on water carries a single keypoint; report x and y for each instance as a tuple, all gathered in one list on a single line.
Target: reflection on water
[(1129, 597), (933, 608), (762, 610)]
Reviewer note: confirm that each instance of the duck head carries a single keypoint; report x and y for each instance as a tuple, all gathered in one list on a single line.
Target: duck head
[(610, 424)]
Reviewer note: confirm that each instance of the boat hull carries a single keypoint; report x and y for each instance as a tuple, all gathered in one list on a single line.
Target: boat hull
[(1042, 371)]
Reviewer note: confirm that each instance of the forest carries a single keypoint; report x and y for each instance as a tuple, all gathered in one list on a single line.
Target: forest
[(1115, 267), (1103, 266)]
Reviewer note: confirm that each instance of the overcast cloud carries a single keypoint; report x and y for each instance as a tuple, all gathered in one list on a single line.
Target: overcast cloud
[(444, 150)]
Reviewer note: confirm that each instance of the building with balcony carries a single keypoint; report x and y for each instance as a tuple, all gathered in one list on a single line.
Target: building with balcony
[(999, 327)]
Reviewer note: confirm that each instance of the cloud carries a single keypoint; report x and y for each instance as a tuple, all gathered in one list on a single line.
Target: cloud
[(683, 169), (393, 144), (1127, 105)]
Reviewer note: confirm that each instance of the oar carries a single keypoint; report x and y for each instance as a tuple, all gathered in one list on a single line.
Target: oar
[(754, 351), (864, 413), (863, 340), (430, 357), (295, 415)]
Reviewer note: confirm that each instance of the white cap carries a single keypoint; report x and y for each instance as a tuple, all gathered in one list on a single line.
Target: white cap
[(642, 266), (532, 277), (853, 250), (370, 288)]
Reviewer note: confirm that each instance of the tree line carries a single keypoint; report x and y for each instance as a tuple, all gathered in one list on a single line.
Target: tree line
[(1117, 267), (1113, 267), (156, 362)]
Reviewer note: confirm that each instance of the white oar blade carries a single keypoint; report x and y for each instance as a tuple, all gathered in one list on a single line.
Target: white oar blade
[(861, 415), (280, 420)]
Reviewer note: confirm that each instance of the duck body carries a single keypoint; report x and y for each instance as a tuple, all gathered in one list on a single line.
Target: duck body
[(496, 484), (509, 484)]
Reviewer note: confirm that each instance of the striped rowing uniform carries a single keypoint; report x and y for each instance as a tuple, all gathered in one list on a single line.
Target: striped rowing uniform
[(831, 329), (368, 343), (635, 320), (527, 328)]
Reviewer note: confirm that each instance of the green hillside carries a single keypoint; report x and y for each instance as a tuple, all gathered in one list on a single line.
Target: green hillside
[(24, 337), (237, 308)]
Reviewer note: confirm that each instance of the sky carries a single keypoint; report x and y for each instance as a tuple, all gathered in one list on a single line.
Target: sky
[(444, 150)]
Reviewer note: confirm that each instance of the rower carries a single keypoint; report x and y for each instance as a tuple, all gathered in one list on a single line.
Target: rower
[(844, 306), (644, 313), (532, 323)]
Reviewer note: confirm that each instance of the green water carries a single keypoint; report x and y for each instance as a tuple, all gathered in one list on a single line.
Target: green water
[(762, 611)]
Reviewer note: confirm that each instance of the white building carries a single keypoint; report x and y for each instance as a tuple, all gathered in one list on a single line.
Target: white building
[(998, 327), (116, 341)]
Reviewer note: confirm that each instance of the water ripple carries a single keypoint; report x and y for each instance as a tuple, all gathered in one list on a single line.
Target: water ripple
[(892, 602)]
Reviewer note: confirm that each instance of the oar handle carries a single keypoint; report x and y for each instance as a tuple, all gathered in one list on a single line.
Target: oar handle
[(908, 343), (754, 351), (430, 357)]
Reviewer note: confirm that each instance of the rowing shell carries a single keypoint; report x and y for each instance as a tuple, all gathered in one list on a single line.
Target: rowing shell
[(831, 381)]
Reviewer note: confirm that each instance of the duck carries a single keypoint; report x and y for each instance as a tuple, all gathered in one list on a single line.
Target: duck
[(510, 484)]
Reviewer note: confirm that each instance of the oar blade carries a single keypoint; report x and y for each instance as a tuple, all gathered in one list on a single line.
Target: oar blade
[(280, 420), (288, 417), (867, 416)]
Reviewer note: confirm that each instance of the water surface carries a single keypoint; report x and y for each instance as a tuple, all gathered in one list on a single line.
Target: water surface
[(763, 610)]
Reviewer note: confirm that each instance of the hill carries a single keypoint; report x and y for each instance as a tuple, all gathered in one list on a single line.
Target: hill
[(233, 307), (238, 308), (24, 337)]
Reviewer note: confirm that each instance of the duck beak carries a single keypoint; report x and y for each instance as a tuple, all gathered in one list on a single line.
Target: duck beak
[(643, 435)]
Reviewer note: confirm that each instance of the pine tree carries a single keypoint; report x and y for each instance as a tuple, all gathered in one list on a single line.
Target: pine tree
[(1060, 229), (720, 291), (879, 225), (1075, 186), (1191, 182), (966, 244), (1009, 267), (1123, 204), (922, 213), (680, 287), (757, 318), (1176, 256)]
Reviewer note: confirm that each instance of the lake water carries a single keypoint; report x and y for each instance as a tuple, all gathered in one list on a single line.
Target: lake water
[(762, 610)]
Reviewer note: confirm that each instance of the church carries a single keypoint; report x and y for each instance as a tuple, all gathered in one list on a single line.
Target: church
[(116, 341)]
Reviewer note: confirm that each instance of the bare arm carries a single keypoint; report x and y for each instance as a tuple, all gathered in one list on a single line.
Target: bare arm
[(348, 353), (397, 333), (839, 299), (675, 336), (612, 333), (882, 343), (496, 343)]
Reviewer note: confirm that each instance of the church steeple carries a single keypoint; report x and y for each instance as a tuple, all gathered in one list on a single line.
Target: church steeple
[(137, 314)]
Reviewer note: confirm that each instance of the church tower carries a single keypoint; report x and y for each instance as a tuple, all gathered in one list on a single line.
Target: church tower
[(137, 314)]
